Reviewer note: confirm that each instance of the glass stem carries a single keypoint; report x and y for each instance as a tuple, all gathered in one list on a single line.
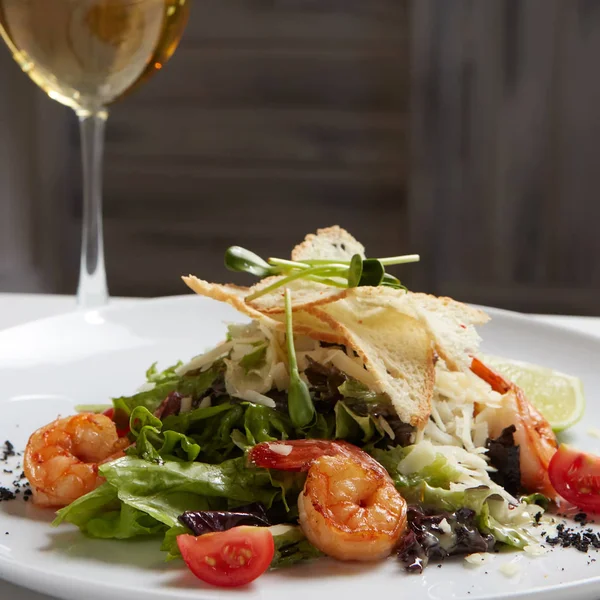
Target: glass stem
[(92, 290)]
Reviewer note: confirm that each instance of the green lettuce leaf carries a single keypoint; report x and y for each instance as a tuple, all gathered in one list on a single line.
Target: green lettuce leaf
[(538, 499), (430, 487), (192, 384), (153, 444), (254, 360), (353, 427), (323, 428), (504, 532), (214, 435), (127, 522), (353, 389), (446, 500), (194, 419), (291, 546), (362, 401), (155, 376), (438, 473), (164, 491), (169, 543), (96, 502), (264, 424)]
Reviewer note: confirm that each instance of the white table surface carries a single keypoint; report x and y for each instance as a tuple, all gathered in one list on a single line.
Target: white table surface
[(16, 309)]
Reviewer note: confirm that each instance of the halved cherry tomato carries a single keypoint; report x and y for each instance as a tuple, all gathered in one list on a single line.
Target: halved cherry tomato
[(122, 429), (575, 476), (228, 558)]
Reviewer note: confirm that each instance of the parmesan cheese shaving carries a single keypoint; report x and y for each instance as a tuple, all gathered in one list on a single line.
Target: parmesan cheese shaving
[(280, 449), (146, 387), (256, 398), (205, 360), (386, 427), (205, 402), (445, 526), (478, 559), (535, 550), (186, 404), (510, 569)]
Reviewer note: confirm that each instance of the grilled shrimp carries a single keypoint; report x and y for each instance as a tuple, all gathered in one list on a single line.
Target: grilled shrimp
[(349, 508), (533, 433), (61, 459)]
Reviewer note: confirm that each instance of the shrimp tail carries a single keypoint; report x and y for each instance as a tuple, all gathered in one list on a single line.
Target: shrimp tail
[(493, 378), (533, 433), (292, 455)]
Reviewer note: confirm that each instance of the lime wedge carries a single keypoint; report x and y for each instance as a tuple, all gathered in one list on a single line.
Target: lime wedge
[(559, 397)]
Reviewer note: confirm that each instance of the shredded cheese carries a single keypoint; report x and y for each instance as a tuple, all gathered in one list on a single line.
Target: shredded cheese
[(256, 398), (478, 559), (510, 569), (186, 404), (205, 402), (445, 526), (386, 427), (205, 360)]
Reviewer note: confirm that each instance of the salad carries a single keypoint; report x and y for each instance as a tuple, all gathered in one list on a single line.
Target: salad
[(347, 417)]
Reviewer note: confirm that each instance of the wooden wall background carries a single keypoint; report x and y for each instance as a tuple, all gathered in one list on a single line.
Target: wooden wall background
[(506, 165), (465, 130)]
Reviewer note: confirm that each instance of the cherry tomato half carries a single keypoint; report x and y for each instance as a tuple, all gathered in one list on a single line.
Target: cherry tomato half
[(228, 558), (575, 476), (122, 428)]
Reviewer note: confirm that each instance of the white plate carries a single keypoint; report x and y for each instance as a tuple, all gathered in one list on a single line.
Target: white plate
[(48, 366)]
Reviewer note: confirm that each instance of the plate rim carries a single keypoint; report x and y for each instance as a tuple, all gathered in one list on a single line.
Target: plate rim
[(133, 303)]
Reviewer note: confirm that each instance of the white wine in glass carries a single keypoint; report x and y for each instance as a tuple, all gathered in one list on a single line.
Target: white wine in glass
[(87, 54)]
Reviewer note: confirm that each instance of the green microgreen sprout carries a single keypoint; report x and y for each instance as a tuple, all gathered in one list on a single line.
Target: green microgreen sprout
[(373, 272), (355, 271), (242, 260), (341, 274), (300, 404)]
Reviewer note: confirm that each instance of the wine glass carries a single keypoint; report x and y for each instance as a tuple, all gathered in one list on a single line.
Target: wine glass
[(87, 54)]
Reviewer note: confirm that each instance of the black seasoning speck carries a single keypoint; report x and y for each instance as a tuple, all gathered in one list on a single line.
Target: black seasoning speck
[(6, 494), (8, 450), (580, 517), (567, 537), (537, 518)]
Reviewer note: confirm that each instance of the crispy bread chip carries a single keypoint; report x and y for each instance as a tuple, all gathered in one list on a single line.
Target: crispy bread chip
[(452, 326), (314, 327), (232, 294), (331, 243), (396, 348), (304, 295)]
